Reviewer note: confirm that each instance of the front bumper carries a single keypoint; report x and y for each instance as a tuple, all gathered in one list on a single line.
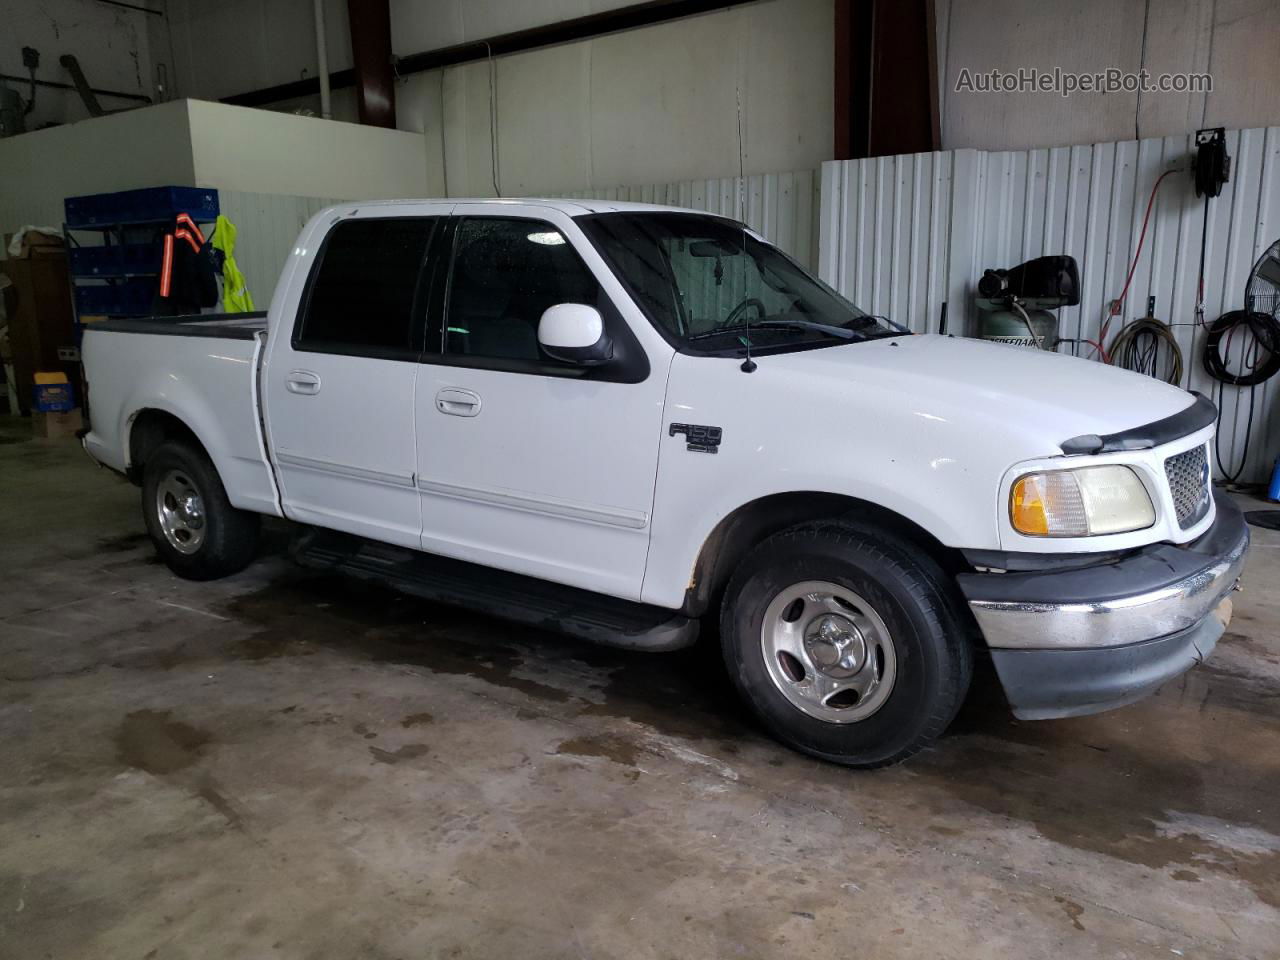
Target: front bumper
[(1086, 639)]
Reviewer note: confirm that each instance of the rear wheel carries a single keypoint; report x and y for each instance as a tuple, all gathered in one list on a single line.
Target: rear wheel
[(196, 530), (847, 642)]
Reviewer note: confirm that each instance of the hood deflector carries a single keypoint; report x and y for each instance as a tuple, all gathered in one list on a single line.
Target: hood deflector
[(1195, 417)]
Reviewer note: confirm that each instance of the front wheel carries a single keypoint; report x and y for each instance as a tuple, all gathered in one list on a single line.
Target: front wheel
[(195, 529), (847, 642)]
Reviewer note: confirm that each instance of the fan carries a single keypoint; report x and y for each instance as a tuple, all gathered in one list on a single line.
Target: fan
[(1259, 356), (1263, 290)]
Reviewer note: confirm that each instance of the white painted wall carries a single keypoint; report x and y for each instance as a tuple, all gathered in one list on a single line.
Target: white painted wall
[(1236, 41), (260, 151), (191, 143), (658, 104), (274, 40), (226, 47), (651, 105), (140, 148), (110, 42), (655, 104)]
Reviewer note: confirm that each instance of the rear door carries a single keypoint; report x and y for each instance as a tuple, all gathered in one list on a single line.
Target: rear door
[(339, 386), (525, 462)]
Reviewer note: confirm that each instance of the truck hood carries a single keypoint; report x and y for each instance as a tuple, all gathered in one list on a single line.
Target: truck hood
[(1044, 397)]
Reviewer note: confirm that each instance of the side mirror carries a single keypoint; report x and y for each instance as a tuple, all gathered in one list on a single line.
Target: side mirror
[(574, 333)]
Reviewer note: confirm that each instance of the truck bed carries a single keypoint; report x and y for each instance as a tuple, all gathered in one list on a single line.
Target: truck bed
[(202, 370), (231, 326)]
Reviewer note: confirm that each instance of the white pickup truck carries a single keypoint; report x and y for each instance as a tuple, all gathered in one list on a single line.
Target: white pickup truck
[(620, 421)]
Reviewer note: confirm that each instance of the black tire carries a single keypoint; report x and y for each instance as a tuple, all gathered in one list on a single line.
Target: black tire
[(913, 598), (228, 537)]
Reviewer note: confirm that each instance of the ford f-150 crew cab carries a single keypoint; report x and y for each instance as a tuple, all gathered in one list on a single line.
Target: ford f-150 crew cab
[(621, 420)]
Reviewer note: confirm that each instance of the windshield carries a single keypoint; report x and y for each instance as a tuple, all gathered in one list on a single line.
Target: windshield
[(707, 283)]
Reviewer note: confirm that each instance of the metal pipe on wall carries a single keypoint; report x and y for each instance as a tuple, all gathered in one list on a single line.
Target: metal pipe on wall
[(56, 85), (322, 65)]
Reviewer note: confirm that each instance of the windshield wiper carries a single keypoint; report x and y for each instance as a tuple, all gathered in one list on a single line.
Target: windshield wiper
[(843, 333), (897, 327)]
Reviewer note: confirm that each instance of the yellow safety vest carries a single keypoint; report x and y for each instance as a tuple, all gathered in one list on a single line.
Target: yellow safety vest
[(235, 295)]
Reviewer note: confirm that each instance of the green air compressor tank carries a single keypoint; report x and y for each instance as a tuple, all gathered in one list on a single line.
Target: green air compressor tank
[(999, 323)]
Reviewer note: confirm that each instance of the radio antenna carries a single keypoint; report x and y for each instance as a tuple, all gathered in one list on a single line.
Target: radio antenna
[(748, 365)]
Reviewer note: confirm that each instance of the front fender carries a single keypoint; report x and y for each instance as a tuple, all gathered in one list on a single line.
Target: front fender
[(784, 433)]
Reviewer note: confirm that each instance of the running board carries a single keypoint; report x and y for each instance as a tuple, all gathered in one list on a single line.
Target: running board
[(509, 596)]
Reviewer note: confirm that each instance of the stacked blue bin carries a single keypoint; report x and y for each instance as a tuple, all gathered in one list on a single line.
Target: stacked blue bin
[(119, 277)]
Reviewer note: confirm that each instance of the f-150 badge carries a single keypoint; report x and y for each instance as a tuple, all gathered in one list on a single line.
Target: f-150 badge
[(702, 438)]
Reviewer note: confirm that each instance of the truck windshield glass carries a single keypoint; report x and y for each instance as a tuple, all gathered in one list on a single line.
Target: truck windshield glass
[(702, 280)]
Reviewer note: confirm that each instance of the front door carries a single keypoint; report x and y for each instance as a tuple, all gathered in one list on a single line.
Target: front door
[(339, 391), (527, 463)]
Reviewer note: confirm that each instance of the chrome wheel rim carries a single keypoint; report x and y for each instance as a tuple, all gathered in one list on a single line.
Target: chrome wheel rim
[(828, 651), (180, 510)]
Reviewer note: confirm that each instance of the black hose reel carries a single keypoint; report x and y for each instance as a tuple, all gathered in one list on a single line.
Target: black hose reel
[(1212, 164)]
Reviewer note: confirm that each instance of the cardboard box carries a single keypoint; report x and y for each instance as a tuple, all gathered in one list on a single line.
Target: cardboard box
[(34, 243), (52, 393), (59, 425)]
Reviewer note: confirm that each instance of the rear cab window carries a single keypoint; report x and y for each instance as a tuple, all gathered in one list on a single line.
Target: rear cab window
[(366, 294)]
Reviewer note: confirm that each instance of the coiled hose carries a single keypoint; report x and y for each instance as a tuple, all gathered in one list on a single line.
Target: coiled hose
[(1260, 361), (1137, 347), (1266, 334)]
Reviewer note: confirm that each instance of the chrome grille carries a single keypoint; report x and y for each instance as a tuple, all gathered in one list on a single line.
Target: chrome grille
[(1188, 476)]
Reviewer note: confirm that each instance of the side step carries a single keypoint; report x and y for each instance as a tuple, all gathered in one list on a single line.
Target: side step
[(510, 596)]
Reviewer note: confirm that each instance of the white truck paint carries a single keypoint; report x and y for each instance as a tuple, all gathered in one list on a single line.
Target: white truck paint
[(585, 482)]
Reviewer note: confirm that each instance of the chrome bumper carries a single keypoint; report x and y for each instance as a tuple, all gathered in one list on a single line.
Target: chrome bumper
[(1141, 616), (1067, 642)]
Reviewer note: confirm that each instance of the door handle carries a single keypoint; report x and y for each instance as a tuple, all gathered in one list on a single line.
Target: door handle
[(458, 403), (302, 381)]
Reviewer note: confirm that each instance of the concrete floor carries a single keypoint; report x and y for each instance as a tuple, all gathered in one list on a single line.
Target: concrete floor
[(286, 764)]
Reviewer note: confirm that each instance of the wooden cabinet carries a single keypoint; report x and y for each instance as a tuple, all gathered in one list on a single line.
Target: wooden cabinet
[(40, 319)]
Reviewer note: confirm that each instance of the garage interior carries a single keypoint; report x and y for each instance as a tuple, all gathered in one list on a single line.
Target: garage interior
[(287, 762)]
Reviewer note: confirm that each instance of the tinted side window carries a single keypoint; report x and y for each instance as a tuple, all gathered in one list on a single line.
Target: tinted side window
[(362, 293), (505, 274)]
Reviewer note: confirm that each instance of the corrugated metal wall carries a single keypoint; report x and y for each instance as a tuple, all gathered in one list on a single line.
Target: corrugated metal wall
[(902, 235), (885, 232), (779, 206), (267, 224)]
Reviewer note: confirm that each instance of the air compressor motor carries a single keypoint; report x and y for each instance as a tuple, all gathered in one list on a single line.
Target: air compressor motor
[(1016, 304)]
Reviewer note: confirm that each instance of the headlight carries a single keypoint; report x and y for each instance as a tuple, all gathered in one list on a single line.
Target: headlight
[(1080, 503)]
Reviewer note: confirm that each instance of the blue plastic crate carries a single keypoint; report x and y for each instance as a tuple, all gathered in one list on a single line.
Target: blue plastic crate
[(141, 257), (129, 298), (52, 397), (92, 210), (148, 205), (91, 261), (115, 260)]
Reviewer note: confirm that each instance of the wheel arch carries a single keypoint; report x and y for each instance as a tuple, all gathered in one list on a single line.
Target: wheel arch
[(751, 523), (149, 428)]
